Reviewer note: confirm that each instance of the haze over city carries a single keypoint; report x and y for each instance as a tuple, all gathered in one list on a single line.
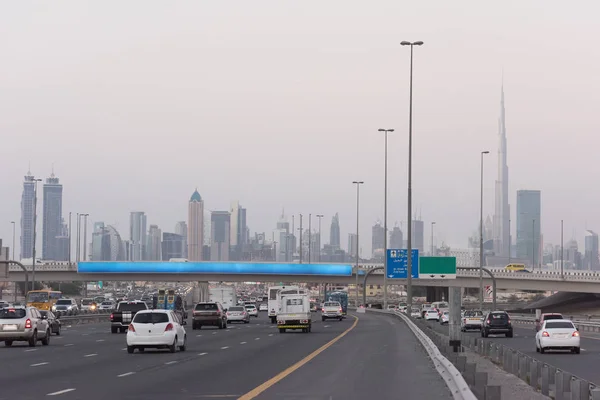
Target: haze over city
[(277, 106)]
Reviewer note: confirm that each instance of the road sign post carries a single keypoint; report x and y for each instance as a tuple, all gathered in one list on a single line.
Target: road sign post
[(397, 260), (437, 268)]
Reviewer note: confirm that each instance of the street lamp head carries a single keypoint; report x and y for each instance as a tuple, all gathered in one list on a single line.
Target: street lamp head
[(485, 152), (419, 43), (405, 43), (385, 130)]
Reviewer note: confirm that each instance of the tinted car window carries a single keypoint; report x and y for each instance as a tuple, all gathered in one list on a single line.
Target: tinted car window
[(501, 316), (12, 313), (549, 317), (134, 307), (206, 307), (151, 318), (560, 325), (236, 309), (63, 302)]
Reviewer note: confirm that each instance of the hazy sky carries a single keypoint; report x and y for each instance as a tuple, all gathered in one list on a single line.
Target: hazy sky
[(277, 104)]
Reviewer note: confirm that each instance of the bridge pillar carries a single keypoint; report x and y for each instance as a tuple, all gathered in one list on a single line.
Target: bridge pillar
[(435, 293), (203, 291)]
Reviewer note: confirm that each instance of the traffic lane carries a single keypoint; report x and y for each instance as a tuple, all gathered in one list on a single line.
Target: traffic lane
[(227, 369), (370, 361), (84, 363), (582, 365)]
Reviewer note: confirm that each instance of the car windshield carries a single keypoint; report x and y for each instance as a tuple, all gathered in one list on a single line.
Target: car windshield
[(151, 318), (446, 313), (63, 302), (499, 316), (560, 325), (206, 307), (236, 308), (37, 297), (332, 304), (549, 317), (473, 314), (250, 306), (107, 303), (12, 313), (86, 302)]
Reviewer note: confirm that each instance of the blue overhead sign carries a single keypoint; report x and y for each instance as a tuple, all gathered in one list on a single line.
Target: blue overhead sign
[(116, 267), (397, 263)]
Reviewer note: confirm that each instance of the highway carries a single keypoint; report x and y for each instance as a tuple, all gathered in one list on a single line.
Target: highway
[(583, 365), (377, 355)]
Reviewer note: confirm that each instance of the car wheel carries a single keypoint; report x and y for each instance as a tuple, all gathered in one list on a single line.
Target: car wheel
[(8, 343), (322, 319), (46, 339), (33, 339), (173, 347), (281, 330), (141, 349), (58, 331), (130, 349), (537, 349), (184, 345), (577, 350), (113, 329), (542, 350), (509, 334)]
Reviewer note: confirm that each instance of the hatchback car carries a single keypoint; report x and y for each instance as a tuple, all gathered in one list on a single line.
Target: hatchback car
[(432, 315), (445, 317), (53, 321), (23, 324), (497, 322), (558, 334), (265, 307), (209, 314), (238, 314), (252, 310), (158, 329)]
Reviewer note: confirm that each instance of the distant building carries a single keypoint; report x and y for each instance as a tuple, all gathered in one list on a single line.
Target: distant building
[(238, 233), (153, 247), (196, 228), (591, 251), (418, 236), (220, 236), (52, 223), (173, 246), (137, 235), (352, 245), (334, 232), (528, 226), (282, 235), (107, 244), (181, 229), (377, 241), (27, 213), (396, 239)]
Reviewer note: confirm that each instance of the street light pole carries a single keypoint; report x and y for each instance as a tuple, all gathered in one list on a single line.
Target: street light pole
[(409, 230), (357, 183), (319, 216), (481, 235), (309, 237), (300, 229), (85, 236), (385, 236), (13, 246), (78, 241), (562, 274), (533, 244), (34, 233), (432, 224), (70, 240)]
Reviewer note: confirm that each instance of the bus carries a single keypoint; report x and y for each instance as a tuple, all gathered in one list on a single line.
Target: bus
[(516, 268), (43, 299), (275, 296), (340, 297)]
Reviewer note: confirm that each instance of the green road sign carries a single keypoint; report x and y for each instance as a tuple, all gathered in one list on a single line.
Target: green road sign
[(437, 267), (100, 284)]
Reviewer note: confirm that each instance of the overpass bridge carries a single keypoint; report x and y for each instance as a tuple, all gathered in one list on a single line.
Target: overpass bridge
[(571, 281)]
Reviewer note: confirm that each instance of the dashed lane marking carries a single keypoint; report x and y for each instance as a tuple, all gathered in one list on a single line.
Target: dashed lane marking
[(125, 374), (257, 338), (100, 340), (27, 351), (224, 347), (69, 344), (198, 335), (60, 392), (270, 334), (91, 355), (202, 354), (39, 364), (171, 362), (243, 342)]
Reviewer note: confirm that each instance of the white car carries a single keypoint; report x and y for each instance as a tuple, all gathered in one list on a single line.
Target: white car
[(415, 313), (263, 307), (432, 315), (158, 329), (558, 334), (252, 310), (445, 317)]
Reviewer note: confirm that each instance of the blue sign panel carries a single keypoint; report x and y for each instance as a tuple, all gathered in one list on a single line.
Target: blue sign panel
[(397, 263), (115, 267)]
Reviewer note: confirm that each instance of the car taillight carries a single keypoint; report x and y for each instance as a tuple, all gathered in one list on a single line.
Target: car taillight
[(340, 310), (218, 313), (131, 328), (169, 327), (112, 316), (464, 320), (28, 324), (488, 321), (575, 334), (545, 334)]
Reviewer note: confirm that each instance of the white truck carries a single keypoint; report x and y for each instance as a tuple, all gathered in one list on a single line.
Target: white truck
[(294, 312), (225, 295), (471, 319), (274, 302)]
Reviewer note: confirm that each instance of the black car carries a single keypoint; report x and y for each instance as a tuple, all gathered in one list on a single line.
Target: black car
[(53, 321), (497, 322)]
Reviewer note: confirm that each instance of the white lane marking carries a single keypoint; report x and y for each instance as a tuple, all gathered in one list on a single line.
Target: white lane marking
[(270, 334), (125, 374), (85, 334), (69, 344), (27, 351), (170, 362), (242, 342), (326, 326), (224, 347), (100, 340), (39, 364), (60, 392), (198, 335), (214, 333), (202, 354), (257, 338), (59, 337), (91, 355)]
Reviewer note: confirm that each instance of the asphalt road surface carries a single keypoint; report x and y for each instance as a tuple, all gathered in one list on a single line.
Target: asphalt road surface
[(583, 365), (378, 358)]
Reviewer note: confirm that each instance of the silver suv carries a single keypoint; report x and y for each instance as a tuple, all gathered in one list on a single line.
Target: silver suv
[(65, 306), (23, 324)]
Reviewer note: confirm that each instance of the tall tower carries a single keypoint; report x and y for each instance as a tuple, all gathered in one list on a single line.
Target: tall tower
[(195, 227), (502, 209), (334, 232), (137, 235), (27, 216), (52, 227)]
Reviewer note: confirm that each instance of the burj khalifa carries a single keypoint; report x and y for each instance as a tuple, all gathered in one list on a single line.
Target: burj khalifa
[(502, 208)]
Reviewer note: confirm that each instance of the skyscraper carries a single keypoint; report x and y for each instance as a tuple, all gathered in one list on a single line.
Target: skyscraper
[(238, 233), (172, 246), (281, 235), (377, 239), (195, 227), (352, 245), (334, 232), (528, 225), (52, 223), (396, 238), (27, 215), (137, 235), (107, 244), (153, 247), (220, 224), (591, 251), (502, 208), (181, 229), (418, 235)]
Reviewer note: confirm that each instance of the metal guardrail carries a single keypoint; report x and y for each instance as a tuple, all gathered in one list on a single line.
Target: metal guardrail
[(583, 325)]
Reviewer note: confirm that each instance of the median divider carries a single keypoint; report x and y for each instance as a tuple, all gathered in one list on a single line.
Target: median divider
[(84, 318)]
